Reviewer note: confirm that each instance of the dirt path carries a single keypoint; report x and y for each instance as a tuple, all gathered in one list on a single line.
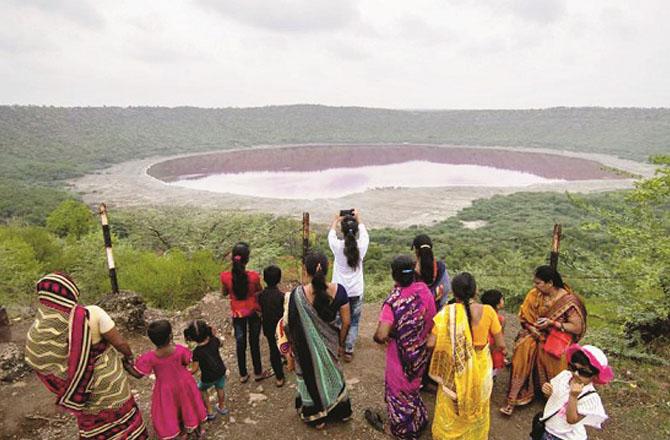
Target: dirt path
[(27, 410)]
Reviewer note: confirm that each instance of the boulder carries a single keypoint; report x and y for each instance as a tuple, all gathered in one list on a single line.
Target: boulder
[(12, 363), (126, 309)]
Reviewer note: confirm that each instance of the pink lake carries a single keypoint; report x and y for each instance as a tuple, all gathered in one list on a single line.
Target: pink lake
[(339, 182)]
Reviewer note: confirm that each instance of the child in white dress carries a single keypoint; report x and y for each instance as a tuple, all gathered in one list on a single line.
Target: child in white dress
[(573, 402)]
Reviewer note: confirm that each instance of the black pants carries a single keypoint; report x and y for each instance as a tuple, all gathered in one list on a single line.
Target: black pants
[(240, 325), (275, 356)]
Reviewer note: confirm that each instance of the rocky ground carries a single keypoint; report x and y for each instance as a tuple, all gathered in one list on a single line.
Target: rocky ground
[(258, 410)]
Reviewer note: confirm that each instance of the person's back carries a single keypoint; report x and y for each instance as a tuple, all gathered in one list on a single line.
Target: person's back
[(348, 256), (175, 402), (350, 277), (209, 360), (271, 301)]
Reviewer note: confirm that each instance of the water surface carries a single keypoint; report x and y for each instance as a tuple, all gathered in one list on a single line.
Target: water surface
[(339, 182)]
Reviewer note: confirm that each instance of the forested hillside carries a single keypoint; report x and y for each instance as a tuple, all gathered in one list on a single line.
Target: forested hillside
[(46, 144)]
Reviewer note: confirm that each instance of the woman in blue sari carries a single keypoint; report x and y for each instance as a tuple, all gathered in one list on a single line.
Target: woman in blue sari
[(312, 342)]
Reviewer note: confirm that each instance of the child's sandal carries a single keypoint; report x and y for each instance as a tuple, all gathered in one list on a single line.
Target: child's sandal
[(244, 379)]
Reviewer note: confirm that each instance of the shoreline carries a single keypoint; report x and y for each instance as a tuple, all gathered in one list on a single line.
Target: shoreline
[(129, 184)]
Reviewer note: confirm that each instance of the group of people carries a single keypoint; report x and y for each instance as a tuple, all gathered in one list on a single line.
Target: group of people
[(449, 344)]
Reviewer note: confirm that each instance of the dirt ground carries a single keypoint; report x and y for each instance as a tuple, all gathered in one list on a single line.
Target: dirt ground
[(129, 185), (27, 410)]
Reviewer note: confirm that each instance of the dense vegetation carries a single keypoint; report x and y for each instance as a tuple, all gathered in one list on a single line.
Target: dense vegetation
[(47, 144)]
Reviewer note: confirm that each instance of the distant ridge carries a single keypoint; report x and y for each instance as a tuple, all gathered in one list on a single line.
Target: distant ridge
[(41, 144)]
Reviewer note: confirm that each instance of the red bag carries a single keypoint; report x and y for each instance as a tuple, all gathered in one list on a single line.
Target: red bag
[(557, 342)]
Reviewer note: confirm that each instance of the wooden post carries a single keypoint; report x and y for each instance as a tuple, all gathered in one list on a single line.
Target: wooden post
[(305, 235), (305, 238), (102, 210), (555, 247), (5, 329)]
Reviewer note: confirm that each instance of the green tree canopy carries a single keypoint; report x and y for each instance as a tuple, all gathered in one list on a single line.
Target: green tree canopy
[(70, 219)]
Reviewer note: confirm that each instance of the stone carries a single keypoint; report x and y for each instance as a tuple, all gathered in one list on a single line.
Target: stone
[(257, 397), (12, 363), (126, 309)]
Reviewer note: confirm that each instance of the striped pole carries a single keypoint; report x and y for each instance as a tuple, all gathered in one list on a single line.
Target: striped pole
[(305, 240), (555, 246), (305, 235), (102, 210)]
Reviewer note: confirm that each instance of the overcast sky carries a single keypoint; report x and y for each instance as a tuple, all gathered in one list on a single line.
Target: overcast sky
[(426, 54)]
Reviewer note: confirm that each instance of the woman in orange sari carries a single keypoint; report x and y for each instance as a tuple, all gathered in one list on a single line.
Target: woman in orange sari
[(552, 317)]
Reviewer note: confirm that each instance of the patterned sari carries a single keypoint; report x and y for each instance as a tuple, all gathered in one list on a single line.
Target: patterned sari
[(412, 309), (88, 379), (322, 391), (464, 378), (531, 365)]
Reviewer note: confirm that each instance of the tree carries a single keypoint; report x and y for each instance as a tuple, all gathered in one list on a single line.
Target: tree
[(641, 258), (70, 219)]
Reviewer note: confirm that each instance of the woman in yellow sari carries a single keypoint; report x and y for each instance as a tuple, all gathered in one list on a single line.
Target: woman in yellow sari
[(550, 308), (461, 364)]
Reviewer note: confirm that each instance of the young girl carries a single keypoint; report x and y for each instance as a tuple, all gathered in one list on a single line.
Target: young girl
[(207, 360), (242, 285), (176, 404), (495, 299), (573, 402)]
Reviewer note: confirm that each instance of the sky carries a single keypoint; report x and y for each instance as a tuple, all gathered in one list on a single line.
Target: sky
[(423, 54)]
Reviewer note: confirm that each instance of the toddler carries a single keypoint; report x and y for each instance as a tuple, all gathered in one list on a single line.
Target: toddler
[(176, 405), (271, 301), (207, 360), (573, 402), (495, 299)]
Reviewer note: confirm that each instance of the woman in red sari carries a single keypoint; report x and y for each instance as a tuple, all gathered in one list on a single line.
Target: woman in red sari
[(552, 317), (76, 352)]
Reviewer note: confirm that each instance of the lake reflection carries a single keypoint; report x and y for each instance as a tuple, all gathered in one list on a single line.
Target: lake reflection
[(339, 182)]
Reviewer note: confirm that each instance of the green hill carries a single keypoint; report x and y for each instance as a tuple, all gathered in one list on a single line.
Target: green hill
[(48, 144)]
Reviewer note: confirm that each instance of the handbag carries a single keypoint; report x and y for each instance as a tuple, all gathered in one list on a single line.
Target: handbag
[(537, 428), (557, 342)]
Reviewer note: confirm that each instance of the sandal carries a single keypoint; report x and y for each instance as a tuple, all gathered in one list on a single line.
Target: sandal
[(222, 411), (211, 416), (320, 426), (348, 357), (244, 379), (374, 419), (280, 383), (264, 375), (507, 409)]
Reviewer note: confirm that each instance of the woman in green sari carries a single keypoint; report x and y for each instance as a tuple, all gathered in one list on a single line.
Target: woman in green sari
[(311, 341)]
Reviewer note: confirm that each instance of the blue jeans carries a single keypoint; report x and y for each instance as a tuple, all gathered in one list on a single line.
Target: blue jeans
[(356, 306)]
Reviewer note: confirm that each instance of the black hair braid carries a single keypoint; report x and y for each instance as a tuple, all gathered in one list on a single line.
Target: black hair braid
[(469, 313), (351, 251), (316, 265), (427, 265)]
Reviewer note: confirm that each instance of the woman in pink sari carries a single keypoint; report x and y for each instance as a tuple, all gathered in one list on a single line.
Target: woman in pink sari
[(405, 322)]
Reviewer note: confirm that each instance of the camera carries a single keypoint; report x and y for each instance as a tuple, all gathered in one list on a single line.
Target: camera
[(346, 212)]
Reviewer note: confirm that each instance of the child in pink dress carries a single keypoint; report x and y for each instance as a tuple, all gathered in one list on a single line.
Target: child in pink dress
[(176, 405)]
